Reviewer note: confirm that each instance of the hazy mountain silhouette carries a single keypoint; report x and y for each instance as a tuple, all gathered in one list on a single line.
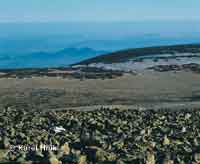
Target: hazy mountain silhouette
[(41, 59)]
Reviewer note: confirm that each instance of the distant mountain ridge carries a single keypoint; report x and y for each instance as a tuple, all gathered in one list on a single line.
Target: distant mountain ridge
[(41, 59)]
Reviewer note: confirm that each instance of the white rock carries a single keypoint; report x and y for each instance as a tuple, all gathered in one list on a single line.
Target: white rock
[(183, 130), (59, 129)]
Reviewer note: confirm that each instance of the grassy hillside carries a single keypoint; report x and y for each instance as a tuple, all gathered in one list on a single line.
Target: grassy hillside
[(124, 55)]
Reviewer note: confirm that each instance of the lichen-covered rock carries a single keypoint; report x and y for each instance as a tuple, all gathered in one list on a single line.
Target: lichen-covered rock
[(150, 158), (101, 136), (6, 143), (166, 140), (82, 159), (3, 154), (53, 160), (65, 149), (197, 157), (168, 161)]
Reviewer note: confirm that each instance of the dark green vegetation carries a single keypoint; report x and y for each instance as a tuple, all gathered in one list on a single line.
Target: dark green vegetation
[(187, 67), (68, 72), (102, 136), (125, 55)]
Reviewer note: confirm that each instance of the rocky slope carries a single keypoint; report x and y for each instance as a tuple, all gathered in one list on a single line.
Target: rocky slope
[(100, 136)]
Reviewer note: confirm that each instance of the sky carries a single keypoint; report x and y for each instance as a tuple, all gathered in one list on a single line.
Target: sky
[(98, 10)]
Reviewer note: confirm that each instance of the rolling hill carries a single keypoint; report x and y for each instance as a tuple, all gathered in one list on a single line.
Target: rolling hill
[(129, 54)]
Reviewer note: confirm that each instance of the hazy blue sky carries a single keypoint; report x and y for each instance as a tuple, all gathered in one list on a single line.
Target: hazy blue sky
[(98, 10)]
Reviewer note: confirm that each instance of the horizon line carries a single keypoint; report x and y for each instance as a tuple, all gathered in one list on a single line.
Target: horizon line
[(102, 21)]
